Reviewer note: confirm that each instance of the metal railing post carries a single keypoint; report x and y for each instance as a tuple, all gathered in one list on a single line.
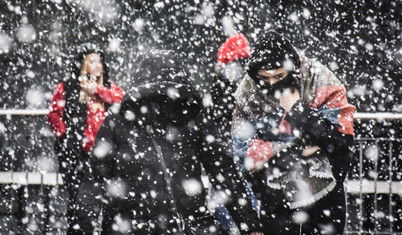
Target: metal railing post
[(391, 217), (360, 215), (375, 189)]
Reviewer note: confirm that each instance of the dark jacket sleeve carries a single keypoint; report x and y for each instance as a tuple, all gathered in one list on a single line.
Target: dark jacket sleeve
[(221, 170), (315, 130)]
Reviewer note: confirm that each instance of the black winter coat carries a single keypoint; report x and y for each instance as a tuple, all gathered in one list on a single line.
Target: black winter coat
[(163, 111)]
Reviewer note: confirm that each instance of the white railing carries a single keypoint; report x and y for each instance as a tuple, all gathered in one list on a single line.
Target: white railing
[(358, 115), (378, 116), (23, 112), (352, 186), (356, 187), (30, 178), (370, 187), (52, 179)]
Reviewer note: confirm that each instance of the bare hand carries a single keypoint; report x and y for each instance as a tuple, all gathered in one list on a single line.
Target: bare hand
[(288, 99), (257, 233), (307, 152), (89, 86)]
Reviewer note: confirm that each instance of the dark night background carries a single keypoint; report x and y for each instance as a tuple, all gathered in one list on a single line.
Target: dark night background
[(360, 41)]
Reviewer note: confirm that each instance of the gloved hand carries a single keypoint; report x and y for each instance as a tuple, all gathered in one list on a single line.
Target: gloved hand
[(258, 153)]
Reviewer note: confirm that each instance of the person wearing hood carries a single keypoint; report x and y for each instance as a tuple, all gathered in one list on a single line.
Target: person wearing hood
[(149, 153), (293, 129), (77, 110)]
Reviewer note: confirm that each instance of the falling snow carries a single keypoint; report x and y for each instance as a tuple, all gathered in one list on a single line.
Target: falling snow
[(360, 41)]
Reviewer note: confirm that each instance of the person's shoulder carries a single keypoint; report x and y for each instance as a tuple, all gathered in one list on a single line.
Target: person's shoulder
[(59, 88), (312, 68), (246, 86), (113, 84), (309, 64), (60, 85), (114, 121)]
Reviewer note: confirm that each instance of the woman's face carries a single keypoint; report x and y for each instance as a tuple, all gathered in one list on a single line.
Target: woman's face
[(93, 64)]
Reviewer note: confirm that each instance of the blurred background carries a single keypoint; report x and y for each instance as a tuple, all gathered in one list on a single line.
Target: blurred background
[(360, 41)]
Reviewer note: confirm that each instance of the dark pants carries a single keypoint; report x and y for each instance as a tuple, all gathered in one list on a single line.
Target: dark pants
[(326, 216), (73, 168), (223, 215), (83, 204), (87, 207), (162, 223)]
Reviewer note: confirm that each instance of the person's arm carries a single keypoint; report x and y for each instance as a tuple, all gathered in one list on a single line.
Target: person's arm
[(257, 142), (329, 125), (55, 116), (315, 126), (112, 95)]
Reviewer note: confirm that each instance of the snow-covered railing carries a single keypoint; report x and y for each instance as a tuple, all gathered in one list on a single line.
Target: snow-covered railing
[(30, 178), (24, 112), (358, 115), (375, 152), (352, 186), (52, 179), (378, 116), (359, 187), (369, 187)]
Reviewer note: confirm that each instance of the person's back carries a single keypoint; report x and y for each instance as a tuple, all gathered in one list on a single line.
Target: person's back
[(150, 153), (139, 149)]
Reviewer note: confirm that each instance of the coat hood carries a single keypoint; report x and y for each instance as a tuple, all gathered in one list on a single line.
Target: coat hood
[(161, 92), (272, 51), (76, 64)]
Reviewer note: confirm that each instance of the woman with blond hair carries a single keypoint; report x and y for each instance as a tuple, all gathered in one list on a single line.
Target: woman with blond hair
[(77, 111)]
